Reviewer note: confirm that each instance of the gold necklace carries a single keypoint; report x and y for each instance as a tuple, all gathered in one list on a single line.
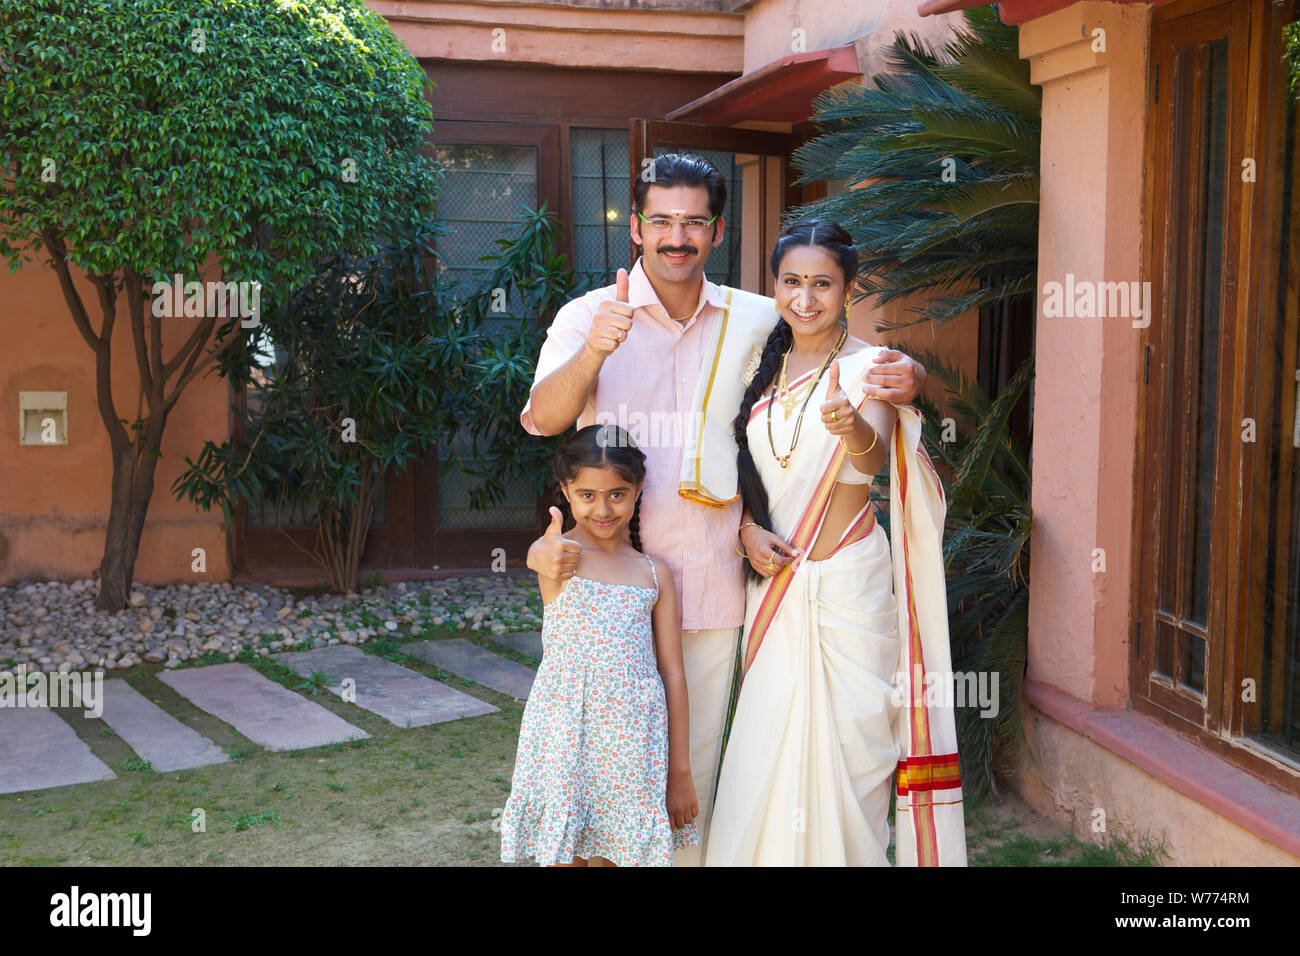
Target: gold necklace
[(784, 395), (784, 460)]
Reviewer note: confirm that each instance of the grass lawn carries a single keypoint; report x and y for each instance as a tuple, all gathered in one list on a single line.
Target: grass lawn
[(420, 796)]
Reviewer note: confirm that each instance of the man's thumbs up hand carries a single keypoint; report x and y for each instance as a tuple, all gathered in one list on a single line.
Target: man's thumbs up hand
[(612, 321), (556, 557)]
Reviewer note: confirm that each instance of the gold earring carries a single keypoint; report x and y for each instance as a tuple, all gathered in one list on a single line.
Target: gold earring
[(848, 303)]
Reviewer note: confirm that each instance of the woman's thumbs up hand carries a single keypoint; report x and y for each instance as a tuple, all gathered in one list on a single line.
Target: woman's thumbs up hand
[(838, 415)]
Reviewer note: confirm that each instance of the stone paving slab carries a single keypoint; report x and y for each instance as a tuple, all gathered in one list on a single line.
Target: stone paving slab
[(265, 712), (398, 694), (525, 642), (153, 733), (38, 749), (478, 664)]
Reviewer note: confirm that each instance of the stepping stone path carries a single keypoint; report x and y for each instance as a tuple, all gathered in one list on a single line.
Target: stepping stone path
[(478, 664), (399, 695), (39, 750), (525, 642), (262, 710), (153, 733)]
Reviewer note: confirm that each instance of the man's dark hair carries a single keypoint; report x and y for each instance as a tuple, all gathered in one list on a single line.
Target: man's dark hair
[(682, 169)]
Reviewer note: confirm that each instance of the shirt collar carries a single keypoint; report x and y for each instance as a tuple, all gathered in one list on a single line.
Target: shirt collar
[(641, 294)]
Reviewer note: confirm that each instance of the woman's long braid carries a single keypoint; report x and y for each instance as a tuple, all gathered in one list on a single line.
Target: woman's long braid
[(750, 485)]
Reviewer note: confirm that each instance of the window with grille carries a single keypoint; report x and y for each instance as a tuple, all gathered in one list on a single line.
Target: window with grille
[(601, 200), (478, 201)]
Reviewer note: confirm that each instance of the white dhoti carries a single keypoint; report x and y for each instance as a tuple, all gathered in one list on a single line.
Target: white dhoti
[(709, 659)]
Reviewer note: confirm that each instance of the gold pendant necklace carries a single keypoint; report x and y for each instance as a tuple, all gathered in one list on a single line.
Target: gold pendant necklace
[(784, 460), (787, 398)]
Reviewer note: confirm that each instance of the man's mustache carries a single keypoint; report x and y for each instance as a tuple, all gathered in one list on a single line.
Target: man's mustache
[(669, 250)]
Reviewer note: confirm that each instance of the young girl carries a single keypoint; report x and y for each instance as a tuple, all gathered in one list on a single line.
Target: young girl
[(602, 773)]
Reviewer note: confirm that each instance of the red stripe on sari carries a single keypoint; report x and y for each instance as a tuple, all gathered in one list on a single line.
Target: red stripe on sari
[(935, 772), (927, 837), (857, 531)]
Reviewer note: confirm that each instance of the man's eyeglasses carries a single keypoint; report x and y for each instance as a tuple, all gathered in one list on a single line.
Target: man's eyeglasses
[(662, 224)]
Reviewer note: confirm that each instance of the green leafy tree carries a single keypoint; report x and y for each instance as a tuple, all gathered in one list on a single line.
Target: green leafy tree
[(379, 363), (945, 151), (146, 138), (365, 379)]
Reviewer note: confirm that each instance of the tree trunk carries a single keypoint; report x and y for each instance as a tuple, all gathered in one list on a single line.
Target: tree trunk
[(133, 477), (342, 533)]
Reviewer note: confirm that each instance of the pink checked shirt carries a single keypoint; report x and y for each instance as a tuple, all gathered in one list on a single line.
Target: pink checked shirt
[(646, 386)]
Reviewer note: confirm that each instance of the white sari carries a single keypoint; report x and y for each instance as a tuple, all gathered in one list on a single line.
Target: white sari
[(834, 704)]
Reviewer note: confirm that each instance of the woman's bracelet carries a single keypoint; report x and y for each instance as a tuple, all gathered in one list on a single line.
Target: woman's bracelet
[(875, 435), (742, 528)]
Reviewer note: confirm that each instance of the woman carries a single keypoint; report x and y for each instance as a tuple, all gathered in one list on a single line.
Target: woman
[(834, 672)]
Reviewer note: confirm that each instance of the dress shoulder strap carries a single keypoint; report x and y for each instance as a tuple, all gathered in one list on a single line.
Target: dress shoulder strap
[(653, 573)]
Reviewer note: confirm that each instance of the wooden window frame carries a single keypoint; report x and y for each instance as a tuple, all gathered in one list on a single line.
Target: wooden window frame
[(1214, 719)]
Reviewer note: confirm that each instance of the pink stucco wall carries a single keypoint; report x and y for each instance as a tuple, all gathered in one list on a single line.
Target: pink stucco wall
[(869, 25), (54, 500)]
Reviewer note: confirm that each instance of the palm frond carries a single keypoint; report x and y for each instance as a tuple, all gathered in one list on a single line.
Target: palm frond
[(944, 152)]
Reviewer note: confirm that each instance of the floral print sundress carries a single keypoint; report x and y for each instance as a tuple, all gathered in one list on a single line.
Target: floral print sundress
[(591, 769)]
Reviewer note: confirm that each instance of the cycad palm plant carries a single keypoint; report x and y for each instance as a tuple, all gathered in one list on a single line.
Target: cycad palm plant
[(944, 152)]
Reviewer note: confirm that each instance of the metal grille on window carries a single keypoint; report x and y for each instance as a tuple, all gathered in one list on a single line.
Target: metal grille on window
[(478, 201), (598, 158)]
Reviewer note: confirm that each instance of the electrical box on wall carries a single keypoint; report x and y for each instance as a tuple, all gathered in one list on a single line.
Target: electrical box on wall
[(42, 418)]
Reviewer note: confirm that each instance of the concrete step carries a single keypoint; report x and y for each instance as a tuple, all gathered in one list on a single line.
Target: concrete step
[(399, 695), (153, 733), (262, 710), (38, 750), (480, 665)]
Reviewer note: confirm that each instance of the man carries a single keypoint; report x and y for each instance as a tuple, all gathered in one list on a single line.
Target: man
[(634, 352)]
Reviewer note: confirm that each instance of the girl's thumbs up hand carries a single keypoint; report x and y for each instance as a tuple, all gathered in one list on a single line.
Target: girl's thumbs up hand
[(837, 414), (555, 555)]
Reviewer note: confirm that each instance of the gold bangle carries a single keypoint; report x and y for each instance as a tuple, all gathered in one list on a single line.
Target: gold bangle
[(874, 436), (742, 528)]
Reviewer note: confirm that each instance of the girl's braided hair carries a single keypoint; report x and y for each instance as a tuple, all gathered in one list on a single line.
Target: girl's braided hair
[(599, 446)]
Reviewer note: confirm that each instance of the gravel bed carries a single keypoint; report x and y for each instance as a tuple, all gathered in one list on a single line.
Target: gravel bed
[(54, 625)]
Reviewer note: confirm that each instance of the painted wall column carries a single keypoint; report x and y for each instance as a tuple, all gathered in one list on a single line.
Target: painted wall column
[(1085, 389)]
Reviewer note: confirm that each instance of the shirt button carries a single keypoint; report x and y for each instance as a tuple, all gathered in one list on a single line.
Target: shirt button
[(683, 381)]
